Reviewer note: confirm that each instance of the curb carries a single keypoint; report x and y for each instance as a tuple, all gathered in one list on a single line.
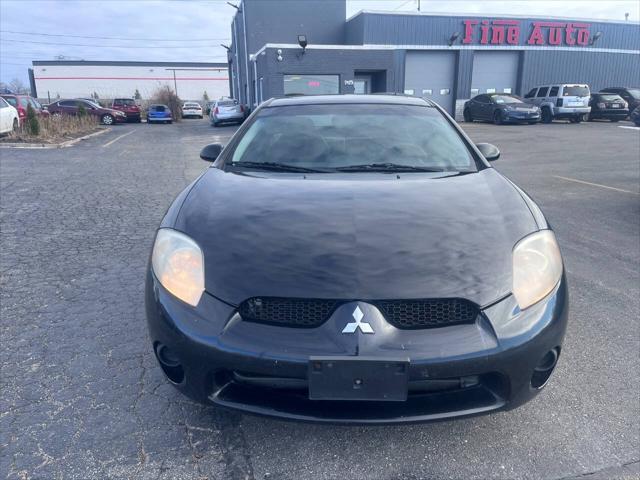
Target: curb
[(65, 144)]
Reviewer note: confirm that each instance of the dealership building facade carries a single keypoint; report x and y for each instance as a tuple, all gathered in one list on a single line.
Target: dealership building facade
[(446, 58)]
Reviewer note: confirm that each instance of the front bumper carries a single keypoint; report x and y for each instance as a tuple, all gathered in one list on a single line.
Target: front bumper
[(454, 371), (522, 117)]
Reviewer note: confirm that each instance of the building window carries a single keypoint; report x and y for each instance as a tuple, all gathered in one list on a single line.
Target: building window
[(311, 84), (506, 90), (409, 91), (445, 91), (491, 90), (475, 91), (427, 92)]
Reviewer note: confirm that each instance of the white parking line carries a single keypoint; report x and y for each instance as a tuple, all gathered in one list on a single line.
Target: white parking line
[(630, 128), (118, 138), (596, 185)]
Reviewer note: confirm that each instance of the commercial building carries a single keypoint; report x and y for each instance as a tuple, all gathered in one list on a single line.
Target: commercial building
[(447, 58), (84, 79)]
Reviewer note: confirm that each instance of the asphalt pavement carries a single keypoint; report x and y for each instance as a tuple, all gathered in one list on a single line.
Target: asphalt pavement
[(82, 396)]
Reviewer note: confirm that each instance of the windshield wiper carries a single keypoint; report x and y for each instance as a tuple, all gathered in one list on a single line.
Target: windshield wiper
[(387, 167), (275, 167)]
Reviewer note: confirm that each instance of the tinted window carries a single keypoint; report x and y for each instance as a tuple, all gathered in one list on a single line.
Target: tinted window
[(612, 97), (543, 92), (532, 93), (67, 103), (554, 91), (483, 99), (227, 103), (635, 93), (575, 91), (333, 136), (502, 99), (124, 102), (311, 84), (157, 108)]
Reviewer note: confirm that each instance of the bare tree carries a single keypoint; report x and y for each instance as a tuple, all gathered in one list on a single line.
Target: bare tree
[(16, 86)]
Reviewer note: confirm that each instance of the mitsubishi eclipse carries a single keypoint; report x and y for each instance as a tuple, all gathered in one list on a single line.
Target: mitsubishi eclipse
[(355, 259)]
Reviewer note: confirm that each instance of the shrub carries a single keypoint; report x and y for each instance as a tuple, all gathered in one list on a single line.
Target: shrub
[(168, 97), (82, 112), (33, 125)]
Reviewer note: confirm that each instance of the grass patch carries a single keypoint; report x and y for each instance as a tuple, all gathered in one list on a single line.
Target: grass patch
[(53, 129)]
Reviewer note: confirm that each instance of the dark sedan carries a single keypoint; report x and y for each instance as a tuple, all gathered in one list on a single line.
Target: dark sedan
[(607, 106), (107, 116), (355, 259), (500, 108)]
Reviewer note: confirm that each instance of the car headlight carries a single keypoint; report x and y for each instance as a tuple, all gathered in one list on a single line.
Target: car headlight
[(178, 264), (537, 267)]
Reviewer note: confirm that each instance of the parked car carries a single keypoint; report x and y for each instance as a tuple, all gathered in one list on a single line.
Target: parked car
[(628, 94), (227, 111), (635, 117), (568, 101), (159, 113), (500, 108), (107, 116), (129, 107), (9, 118), (280, 284), (22, 102), (192, 109), (608, 106)]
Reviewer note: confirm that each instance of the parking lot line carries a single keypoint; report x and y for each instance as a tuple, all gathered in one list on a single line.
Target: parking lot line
[(596, 185), (629, 127), (118, 138)]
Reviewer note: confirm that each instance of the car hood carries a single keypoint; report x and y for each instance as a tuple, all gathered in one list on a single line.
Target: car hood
[(356, 236)]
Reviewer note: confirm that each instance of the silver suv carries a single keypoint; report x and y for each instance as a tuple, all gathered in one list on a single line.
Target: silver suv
[(562, 100)]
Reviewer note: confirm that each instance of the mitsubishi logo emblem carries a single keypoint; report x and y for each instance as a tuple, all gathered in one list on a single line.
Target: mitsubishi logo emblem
[(351, 327)]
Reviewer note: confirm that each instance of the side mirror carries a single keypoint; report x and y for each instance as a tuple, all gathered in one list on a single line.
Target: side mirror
[(211, 152), (490, 152)]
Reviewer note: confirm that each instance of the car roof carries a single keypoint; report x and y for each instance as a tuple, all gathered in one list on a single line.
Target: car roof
[(385, 99)]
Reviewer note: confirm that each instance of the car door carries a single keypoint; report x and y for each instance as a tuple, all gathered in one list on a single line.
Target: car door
[(5, 116), (531, 96), (484, 110)]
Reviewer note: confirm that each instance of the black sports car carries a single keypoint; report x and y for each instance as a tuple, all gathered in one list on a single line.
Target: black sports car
[(500, 108), (355, 259)]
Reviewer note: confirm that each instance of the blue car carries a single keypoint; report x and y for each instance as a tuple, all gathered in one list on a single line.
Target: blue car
[(159, 113)]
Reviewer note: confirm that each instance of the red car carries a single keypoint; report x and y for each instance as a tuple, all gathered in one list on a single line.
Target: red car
[(107, 116), (21, 102), (129, 107)]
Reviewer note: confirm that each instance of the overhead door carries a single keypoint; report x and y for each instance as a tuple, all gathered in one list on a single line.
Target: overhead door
[(431, 75), (494, 72)]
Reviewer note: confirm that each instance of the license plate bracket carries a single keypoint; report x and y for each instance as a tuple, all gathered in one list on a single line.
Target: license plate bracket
[(358, 378)]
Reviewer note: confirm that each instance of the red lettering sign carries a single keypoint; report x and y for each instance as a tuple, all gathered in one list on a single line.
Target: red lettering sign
[(499, 32)]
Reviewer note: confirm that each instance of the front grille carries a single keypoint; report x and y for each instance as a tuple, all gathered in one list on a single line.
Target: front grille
[(402, 314), (430, 313), (289, 312)]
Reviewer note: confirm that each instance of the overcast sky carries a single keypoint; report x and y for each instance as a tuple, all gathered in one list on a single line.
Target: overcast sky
[(193, 30)]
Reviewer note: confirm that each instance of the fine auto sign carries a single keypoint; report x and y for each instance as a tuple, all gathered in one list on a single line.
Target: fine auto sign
[(499, 32)]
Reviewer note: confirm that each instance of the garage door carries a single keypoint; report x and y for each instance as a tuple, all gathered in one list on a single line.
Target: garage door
[(494, 72), (431, 75)]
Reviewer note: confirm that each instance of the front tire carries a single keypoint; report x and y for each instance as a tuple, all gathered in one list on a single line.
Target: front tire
[(547, 116), (497, 118), (107, 119), (467, 116)]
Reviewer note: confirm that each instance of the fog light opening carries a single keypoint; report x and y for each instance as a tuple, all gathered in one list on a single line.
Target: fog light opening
[(169, 363), (543, 370)]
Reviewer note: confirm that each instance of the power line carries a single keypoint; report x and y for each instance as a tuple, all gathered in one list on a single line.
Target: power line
[(102, 46), (117, 38)]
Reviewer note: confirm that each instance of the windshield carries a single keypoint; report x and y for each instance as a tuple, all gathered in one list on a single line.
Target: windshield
[(575, 91), (92, 104), (328, 137), (505, 99), (126, 102)]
